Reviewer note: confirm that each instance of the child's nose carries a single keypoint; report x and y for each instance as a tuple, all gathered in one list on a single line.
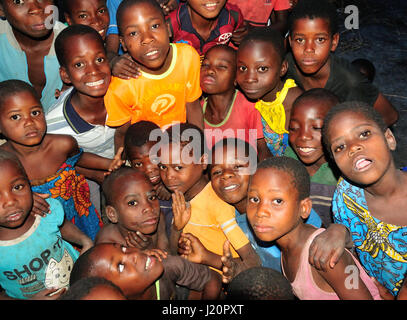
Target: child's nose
[(309, 46), (354, 148)]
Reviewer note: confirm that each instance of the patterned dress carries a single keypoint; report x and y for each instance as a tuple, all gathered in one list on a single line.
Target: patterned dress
[(381, 247), (72, 191)]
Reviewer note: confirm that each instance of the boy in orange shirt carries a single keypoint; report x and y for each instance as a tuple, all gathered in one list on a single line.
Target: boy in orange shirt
[(168, 89)]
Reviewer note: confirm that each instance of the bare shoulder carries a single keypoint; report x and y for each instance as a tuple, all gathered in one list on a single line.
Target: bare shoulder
[(62, 142), (109, 234), (292, 94)]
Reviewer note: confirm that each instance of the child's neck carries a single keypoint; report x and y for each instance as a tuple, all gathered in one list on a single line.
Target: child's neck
[(218, 106), (241, 206), (313, 168), (293, 241), (29, 44), (91, 109), (7, 234), (202, 25), (392, 182), (196, 188), (272, 95), (316, 80)]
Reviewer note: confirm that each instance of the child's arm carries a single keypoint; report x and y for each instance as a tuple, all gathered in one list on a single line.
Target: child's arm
[(124, 67), (120, 134), (386, 109), (71, 233), (194, 114), (181, 215), (263, 151), (93, 161)]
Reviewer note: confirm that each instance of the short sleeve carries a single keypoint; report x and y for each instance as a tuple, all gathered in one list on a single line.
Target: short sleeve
[(193, 84), (56, 215), (112, 6), (338, 207), (282, 5), (227, 221)]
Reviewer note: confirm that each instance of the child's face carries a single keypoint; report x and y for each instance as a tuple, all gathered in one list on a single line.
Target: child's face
[(87, 67), (259, 68), (307, 118), (15, 196), (273, 208), (140, 159), (135, 206), (311, 44), (175, 172), (28, 17), (145, 36), (218, 71), (360, 148), (206, 8), (230, 179), (93, 13), (128, 268), (22, 119)]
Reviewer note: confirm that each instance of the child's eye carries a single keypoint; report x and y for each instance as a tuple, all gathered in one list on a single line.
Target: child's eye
[(299, 40), (15, 117), (78, 65), (222, 67), (100, 59), (242, 68), (120, 267), (161, 166), (137, 164), (155, 26), (317, 128), (178, 168), (339, 148), (101, 11), (132, 203), (18, 1), (18, 187), (36, 113), (321, 40), (152, 197), (133, 33), (254, 200), (292, 128), (278, 201), (82, 16), (365, 134), (263, 69), (216, 172)]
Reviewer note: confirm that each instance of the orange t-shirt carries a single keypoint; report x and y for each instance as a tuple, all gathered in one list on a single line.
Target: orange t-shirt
[(157, 98)]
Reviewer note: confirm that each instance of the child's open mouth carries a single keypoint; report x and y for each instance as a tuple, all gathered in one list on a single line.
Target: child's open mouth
[(95, 83), (362, 164)]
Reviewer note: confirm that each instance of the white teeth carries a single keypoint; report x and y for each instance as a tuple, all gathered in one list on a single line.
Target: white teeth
[(306, 150), (210, 5), (148, 262), (96, 83), (151, 53), (362, 163), (233, 186)]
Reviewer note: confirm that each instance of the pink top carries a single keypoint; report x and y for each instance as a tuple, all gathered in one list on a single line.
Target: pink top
[(304, 286)]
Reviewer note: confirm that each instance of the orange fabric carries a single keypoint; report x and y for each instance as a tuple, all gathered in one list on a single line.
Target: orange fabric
[(157, 98)]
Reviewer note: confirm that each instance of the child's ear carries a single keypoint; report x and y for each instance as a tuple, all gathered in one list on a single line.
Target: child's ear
[(284, 68), (391, 140), (2, 14), (204, 161), (305, 207), (122, 43), (64, 75), (335, 41), (111, 214)]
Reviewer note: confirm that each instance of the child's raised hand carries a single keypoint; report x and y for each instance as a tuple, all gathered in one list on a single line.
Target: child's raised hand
[(40, 206), (125, 68), (191, 248), (117, 161), (239, 34), (229, 268), (168, 5), (162, 192), (138, 240), (181, 210), (158, 253)]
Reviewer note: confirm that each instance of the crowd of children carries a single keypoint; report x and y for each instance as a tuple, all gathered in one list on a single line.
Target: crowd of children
[(165, 149)]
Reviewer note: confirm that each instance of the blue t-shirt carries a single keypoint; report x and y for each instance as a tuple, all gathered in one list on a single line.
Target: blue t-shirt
[(39, 259)]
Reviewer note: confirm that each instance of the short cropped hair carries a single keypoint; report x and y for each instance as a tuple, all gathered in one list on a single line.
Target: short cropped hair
[(314, 9), (268, 35), (299, 174), (138, 134), (125, 4), (259, 283), (62, 40), (318, 94), (83, 267), (353, 106), (8, 156), (11, 87)]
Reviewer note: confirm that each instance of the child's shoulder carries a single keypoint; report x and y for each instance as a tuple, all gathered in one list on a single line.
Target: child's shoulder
[(292, 94), (62, 142)]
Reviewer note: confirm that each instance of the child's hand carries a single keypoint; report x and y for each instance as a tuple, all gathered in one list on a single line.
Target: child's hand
[(326, 249), (125, 68), (181, 210), (168, 5), (86, 243), (40, 206), (158, 253), (240, 33), (229, 268), (162, 192), (138, 240), (117, 161), (191, 248)]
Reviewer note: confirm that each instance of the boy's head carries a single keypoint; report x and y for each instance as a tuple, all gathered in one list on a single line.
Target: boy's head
[(131, 201), (218, 70), (182, 156), (144, 34), (359, 141), (93, 13), (260, 62), (93, 288), (128, 268), (15, 192), (19, 104), (205, 9), (278, 197), (365, 67), (313, 26), (83, 62), (233, 161), (259, 283), (307, 117), (28, 18), (137, 146)]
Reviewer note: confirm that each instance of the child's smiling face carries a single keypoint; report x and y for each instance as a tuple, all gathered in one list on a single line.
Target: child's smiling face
[(360, 148), (311, 44), (208, 9)]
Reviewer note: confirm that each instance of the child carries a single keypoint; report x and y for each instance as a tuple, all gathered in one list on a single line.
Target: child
[(307, 116), (132, 207), (197, 209), (371, 197), (137, 146), (313, 38), (205, 24), (260, 66), (36, 258), (226, 110), (168, 89), (93, 13), (278, 202), (27, 47), (144, 277), (49, 159)]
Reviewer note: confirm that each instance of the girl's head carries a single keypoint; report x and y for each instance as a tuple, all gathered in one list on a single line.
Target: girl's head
[(128, 268), (261, 63), (131, 201), (278, 197), (359, 141), (15, 192), (232, 162), (22, 119)]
